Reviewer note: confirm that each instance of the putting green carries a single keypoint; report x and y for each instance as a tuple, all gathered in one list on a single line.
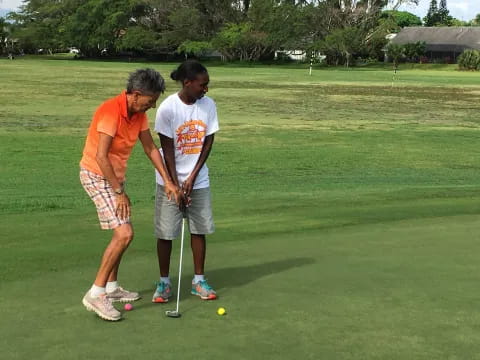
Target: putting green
[(346, 212)]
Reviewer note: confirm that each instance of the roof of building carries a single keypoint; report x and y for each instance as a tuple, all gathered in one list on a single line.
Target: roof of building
[(441, 38)]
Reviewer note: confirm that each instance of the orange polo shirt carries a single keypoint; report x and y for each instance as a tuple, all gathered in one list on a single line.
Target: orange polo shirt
[(111, 118)]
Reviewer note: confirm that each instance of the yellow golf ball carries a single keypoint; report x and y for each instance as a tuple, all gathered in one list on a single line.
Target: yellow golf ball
[(221, 311)]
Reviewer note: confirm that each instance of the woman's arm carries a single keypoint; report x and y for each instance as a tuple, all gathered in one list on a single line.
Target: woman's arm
[(151, 150), (123, 202)]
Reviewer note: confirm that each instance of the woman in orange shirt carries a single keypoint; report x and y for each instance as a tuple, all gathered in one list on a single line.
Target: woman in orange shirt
[(116, 126)]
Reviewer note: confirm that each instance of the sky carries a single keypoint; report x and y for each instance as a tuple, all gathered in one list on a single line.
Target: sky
[(460, 9)]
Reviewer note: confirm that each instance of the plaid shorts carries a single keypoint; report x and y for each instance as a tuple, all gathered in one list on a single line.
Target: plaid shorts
[(103, 196)]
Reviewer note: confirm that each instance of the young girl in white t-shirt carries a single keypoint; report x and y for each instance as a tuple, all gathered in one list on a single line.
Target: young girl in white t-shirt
[(186, 123)]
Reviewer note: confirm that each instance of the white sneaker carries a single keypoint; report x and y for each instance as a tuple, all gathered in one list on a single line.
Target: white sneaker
[(102, 306), (122, 295)]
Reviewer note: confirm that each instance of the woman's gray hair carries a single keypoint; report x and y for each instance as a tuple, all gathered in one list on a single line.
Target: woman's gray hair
[(146, 81)]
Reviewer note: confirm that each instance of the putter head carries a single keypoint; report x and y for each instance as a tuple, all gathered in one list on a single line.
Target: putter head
[(173, 313)]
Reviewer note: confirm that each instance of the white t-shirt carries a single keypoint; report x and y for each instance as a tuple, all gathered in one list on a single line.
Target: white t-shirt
[(187, 125)]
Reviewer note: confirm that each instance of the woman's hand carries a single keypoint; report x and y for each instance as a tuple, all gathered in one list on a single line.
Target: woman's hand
[(123, 206), (173, 192)]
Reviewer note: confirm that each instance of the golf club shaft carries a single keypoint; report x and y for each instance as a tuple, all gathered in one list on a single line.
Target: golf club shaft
[(180, 262)]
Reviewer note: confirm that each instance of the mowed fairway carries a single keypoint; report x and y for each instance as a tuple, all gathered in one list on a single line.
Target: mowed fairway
[(347, 214)]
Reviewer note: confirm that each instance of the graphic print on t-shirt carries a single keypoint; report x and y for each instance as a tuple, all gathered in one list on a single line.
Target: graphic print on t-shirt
[(190, 136)]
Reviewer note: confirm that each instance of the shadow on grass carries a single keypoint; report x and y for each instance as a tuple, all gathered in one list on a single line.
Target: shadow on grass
[(242, 275), (231, 277)]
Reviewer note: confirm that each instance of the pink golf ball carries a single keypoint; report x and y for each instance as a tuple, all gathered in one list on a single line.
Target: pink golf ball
[(128, 307)]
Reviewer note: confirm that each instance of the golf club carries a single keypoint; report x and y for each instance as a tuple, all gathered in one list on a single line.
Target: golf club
[(175, 313)]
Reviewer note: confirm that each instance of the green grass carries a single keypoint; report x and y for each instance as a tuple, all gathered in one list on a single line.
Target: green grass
[(346, 209)]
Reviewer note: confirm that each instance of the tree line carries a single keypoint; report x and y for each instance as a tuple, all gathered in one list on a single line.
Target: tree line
[(439, 15), (249, 30)]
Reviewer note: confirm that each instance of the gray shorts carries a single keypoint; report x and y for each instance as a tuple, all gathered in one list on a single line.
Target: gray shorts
[(168, 217)]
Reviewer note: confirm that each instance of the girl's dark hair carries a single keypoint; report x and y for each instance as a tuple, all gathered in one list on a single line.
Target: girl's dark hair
[(146, 80), (188, 70)]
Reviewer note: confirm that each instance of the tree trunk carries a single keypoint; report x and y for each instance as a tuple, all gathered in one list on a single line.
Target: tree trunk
[(246, 6)]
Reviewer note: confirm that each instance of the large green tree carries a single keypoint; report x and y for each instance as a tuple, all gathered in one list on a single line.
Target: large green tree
[(90, 25), (241, 29), (402, 18), (100, 24), (41, 23), (176, 22), (4, 33), (242, 42), (283, 22), (476, 21), (432, 18), (444, 13), (342, 45), (269, 25), (438, 15)]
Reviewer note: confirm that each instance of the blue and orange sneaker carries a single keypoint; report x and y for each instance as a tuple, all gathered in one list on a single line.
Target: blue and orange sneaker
[(203, 290), (162, 293)]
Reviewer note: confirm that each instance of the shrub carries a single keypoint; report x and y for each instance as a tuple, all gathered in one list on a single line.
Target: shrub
[(395, 52), (415, 51), (469, 60), (197, 48)]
